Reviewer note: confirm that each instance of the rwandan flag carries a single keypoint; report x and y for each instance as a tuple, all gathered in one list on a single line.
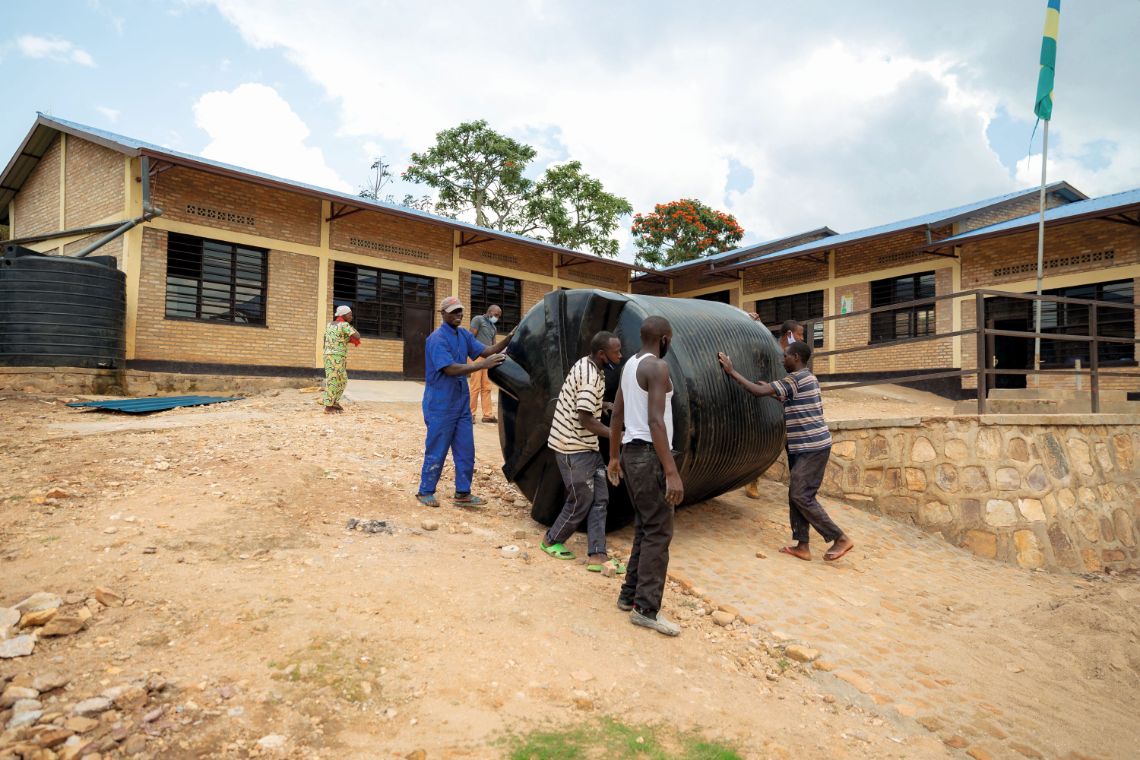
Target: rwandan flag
[(1044, 106)]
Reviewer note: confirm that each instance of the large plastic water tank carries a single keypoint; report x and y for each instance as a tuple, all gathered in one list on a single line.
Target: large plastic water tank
[(58, 311), (723, 436)]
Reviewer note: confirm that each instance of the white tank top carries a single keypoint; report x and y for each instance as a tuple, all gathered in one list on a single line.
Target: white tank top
[(637, 405)]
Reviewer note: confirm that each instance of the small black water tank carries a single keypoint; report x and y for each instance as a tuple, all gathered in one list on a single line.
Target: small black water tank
[(725, 437), (58, 311)]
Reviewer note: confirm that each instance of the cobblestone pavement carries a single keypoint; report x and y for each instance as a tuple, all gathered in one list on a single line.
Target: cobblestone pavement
[(995, 660)]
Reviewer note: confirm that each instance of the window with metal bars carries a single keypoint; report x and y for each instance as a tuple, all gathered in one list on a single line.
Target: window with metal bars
[(1073, 319), (215, 281), (377, 297), (489, 290), (798, 306), (907, 322)]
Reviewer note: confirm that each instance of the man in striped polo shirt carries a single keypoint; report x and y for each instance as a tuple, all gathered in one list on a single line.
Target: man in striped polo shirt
[(574, 434), (808, 447)]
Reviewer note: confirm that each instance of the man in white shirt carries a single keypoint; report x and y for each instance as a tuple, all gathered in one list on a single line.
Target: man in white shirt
[(574, 434), (644, 412)]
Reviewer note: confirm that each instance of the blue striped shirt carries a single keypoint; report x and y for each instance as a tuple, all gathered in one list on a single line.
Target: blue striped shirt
[(803, 412)]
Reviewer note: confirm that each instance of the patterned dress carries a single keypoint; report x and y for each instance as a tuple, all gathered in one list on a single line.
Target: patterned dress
[(338, 335)]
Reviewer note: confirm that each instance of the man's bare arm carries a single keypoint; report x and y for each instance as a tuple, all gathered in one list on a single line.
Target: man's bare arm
[(657, 384)]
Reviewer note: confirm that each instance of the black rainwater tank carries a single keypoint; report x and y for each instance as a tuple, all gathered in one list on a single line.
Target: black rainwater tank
[(59, 311), (723, 436)]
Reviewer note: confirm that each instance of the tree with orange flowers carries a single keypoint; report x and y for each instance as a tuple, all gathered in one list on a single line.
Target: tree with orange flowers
[(681, 231)]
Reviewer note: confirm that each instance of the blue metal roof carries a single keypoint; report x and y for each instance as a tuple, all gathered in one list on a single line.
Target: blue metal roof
[(743, 250), (937, 217), (160, 404), (132, 145), (1070, 211)]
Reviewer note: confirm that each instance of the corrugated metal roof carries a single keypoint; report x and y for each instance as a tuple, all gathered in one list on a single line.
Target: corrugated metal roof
[(1126, 200), (743, 251), (133, 146), (160, 404), (944, 216)]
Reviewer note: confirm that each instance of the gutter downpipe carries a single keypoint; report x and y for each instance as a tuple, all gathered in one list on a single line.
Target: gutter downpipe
[(149, 212)]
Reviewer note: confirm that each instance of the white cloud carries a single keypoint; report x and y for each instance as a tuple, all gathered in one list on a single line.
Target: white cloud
[(254, 127), (53, 48), (110, 114), (847, 114)]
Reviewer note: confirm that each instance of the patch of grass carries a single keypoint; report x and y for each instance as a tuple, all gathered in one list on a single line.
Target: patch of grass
[(615, 740)]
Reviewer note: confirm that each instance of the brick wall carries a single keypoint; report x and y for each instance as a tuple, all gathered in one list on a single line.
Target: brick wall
[(187, 195), (856, 331), (291, 312), (896, 250), (393, 238), (1080, 247), (532, 293), (785, 273), (650, 288), (37, 203), (1014, 209), (93, 185), (595, 275), (698, 279), (114, 248), (509, 255)]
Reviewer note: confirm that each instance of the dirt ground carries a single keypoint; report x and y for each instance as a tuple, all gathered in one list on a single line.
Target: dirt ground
[(237, 616)]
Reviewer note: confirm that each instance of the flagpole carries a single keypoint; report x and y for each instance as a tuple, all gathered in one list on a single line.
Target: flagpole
[(1040, 254)]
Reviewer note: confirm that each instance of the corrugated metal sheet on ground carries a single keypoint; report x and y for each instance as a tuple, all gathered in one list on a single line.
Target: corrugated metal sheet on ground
[(160, 404)]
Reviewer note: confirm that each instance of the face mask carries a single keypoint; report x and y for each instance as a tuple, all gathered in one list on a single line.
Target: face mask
[(492, 320), (664, 347)]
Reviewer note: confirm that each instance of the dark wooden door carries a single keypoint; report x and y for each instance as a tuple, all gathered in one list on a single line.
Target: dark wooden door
[(417, 327)]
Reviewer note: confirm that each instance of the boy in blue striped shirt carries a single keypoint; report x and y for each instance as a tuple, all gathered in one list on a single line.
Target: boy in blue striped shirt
[(808, 448)]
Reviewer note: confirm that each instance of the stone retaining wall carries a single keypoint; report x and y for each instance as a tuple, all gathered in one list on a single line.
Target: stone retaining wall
[(1056, 491)]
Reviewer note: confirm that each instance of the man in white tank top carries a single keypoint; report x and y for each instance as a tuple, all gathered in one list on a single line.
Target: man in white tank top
[(643, 408)]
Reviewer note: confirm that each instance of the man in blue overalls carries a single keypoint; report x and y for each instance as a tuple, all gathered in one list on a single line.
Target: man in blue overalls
[(447, 402)]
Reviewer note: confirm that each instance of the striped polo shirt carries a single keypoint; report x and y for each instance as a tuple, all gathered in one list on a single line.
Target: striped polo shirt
[(582, 391), (803, 412)]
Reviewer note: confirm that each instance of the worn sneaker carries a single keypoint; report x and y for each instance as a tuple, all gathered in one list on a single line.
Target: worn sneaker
[(660, 623), (623, 605)]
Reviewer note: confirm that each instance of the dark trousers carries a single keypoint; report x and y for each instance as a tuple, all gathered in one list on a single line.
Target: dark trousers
[(652, 529), (587, 496), (807, 468)]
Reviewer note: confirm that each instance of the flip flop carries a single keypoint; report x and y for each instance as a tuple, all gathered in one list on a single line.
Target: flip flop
[(831, 556), (558, 551), (619, 568), (427, 499), (788, 550), (468, 500)]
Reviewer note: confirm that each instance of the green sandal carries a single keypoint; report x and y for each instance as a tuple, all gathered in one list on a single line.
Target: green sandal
[(558, 551), (468, 500), (427, 499), (619, 568)]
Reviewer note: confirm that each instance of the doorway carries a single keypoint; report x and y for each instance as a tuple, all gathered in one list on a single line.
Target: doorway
[(417, 326), (1004, 351)]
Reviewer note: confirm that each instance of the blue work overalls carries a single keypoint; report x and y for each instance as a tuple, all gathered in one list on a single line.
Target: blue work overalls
[(447, 408)]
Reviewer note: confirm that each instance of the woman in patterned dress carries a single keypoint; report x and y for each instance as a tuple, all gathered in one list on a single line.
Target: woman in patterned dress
[(338, 335)]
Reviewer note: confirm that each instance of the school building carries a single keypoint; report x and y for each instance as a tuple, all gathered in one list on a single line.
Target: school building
[(241, 271)]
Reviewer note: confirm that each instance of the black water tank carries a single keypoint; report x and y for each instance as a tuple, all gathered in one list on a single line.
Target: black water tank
[(58, 311), (724, 436)]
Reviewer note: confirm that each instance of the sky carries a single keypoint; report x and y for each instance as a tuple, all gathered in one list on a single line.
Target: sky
[(790, 116)]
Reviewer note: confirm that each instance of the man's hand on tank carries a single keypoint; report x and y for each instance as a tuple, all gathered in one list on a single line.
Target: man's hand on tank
[(754, 315), (494, 360), (674, 489), (725, 362)]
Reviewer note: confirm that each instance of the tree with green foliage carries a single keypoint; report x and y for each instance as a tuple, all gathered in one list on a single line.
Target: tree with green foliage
[(380, 178), (570, 208), (683, 230), (474, 168)]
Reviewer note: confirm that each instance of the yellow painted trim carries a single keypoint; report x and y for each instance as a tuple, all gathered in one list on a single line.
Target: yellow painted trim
[(832, 308), (62, 183), (12, 218), (322, 284), (727, 285), (956, 309), (132, 248)]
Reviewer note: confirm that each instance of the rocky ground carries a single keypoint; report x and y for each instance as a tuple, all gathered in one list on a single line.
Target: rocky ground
[(192, 584)]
